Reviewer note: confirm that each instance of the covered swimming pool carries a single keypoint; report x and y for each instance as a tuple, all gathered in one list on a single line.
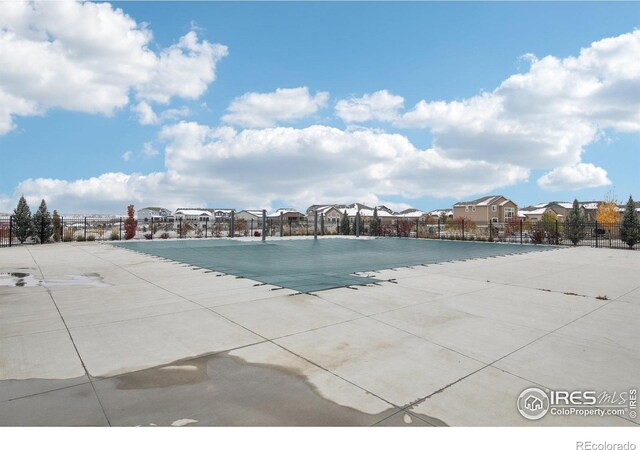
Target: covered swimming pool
[(309, 265)]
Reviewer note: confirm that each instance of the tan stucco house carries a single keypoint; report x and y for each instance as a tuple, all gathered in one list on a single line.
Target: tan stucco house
[(494, 208)]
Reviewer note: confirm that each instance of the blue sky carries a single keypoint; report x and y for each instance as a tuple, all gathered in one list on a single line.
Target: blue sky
[(417, 51)]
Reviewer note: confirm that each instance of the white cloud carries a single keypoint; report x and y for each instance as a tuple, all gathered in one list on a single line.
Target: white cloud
[(577, 177), (147, 116), (88, 57), (127, 155), (149, 151), (380, 105), (253, 168), (543, 118), (257, 110), (183, 70)]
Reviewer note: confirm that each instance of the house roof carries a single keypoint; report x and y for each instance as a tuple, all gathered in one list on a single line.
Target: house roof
[(439, 212), (254, 212), (484, 201), (153, 208), (277, 212), (193, 212)]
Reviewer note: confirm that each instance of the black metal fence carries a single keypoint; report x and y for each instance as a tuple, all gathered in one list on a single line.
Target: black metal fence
[(78, 229)]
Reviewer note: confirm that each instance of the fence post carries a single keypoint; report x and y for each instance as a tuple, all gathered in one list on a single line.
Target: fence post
[(397, 227), (85, 228), (357, 219), (251, 229), (597, 234), (151, 227), (42, 233), (10, 230), (417, 227), (557, 234), (206, 227), (232, 224), (120, 232), (179, 227), (322, 224), (439, 235), (490, 231), (281, 223), (264, 224), (315, 224), (463, 229)]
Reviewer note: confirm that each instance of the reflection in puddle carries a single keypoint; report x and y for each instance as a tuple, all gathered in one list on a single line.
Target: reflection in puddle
[(23, 279)]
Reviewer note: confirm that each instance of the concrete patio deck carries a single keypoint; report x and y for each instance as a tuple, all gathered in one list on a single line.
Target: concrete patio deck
[(136, 340)]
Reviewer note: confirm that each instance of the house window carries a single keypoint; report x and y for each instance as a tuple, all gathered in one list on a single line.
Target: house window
[(494, 219), (494, 208), (509, 213)]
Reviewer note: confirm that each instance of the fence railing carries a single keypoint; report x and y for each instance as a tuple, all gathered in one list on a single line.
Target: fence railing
[(78, 229)]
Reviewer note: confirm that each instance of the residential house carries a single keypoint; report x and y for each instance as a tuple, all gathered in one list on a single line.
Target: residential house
[(330, 213), (439, 213), (494, 208), (322, 208), (156, 213), (412, 213), (251, 216), (288, 215), (535, 212), (198, 217)]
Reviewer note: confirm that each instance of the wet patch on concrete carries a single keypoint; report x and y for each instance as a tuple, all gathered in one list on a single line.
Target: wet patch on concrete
[(15, 389), (224, 390), (25, 279), (18, 279), (178, 374)]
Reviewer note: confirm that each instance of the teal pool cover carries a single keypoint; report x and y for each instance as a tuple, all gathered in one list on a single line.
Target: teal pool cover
[(308, 265)]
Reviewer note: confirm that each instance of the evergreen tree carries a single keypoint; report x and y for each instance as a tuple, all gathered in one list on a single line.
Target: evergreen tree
[(22, 220), (57, 226), (374, 226), (574, 224), (42, 223), (345, 227), (630, 226)]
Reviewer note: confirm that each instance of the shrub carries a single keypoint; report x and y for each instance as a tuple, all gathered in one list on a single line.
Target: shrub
[(130, 224), (257, 234), (91, 237), (80, 238), (164, 235), (57, 228), (4, 231), (148, 236), (404, 228), (537, 236), (115, 236)]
